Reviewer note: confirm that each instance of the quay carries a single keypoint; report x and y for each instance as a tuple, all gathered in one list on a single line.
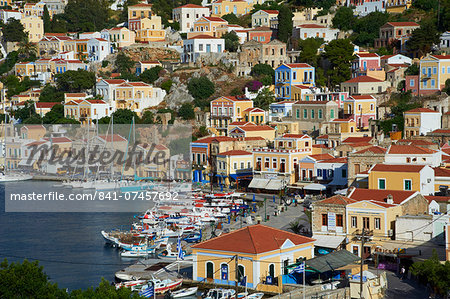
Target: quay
[(47, 177)]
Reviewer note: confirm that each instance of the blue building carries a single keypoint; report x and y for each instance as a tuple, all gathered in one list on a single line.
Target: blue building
[(292, 74)]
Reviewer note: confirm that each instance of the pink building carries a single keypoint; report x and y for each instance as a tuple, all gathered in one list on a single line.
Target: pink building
[(365, 62), (412, 84)]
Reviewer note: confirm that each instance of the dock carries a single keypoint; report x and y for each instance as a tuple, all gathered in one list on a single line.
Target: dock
[(54, 177), (162, 269)]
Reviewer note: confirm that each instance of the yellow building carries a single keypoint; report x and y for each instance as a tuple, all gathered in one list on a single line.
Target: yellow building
[(140, 11), (148, 30), (24, 69), (206, 26), (52, 43), (441, 178), (375, 211), (224, 7), (397, 6), (234, 165), (132, 95), (258, 250), (34, 27), (255, 115), (78, 46), (274, 168), (434, 71), (121, 37), (34, 132), (402, 177), (34, 9), (252, 130), (227, 109), (361, 108)]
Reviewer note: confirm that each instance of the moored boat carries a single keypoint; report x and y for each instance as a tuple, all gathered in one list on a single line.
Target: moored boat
[(185, 292)]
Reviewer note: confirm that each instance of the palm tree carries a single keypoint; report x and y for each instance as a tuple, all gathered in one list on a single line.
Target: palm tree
[(27, 50), (296, 227)]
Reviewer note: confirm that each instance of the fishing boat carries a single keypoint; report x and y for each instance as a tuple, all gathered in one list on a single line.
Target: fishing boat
[(125, 276), (10, 177), (161, 286), (220, 294), (185, 292), (193, 238), (130, 284), (137, 253)]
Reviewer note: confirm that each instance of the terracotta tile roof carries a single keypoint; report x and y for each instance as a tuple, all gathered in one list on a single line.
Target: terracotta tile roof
[(441, 172), (241, 123), (234, 153), (437, 198), (357, 139), (215, 19), (96, 101), (302, 86), (422, 110), (59, 139), (386, 56), (363, 79), (322, 137), (254, 109), (261, 28), (44, 105), (441, 56), (142, 5), (73, 95), (319, 146), (311, 26), (299, 136), (397, 168), (398, 65), (335, 160), (358, 144), (298, 65), (250, 138), (380, 195), (343, 120), (253, 239), (383, 204), (235, 99), (403, 24), (373, 149), (361, 97), (203, 36), (190, 6), (270, 11), (320, 157), (211, 139), (396, 149), (256, 128), (416, 142), (367, 55), (441, 131), (114, 81), (336, 200)]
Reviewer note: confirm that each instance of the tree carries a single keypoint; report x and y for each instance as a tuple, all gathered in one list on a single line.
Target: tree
[(435, 273), (26, 112), (285, 23), (344, 18), (50, 94), (201, 88), (123, 63), (254, 85), (75, 81), (56, 113), (366, 29), (426, 5), (264, 98), (166, 85), (444, 20), (151, 75), (231, 18), (412, 70), (231, 41), (186, 111), (47, 20), (309, 49), (15, 86), (423, 38), (262, 69), (147, 118), (13, 31), (446, 88), (9, 62), (86, 15), (124, 116), (339, 53), (27, 51)]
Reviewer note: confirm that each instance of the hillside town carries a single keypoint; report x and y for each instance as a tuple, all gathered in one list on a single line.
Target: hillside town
[(318, 152)]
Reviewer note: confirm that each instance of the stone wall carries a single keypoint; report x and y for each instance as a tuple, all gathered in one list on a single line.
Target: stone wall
[(365, 161)]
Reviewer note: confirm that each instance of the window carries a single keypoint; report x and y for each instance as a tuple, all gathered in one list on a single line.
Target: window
[(339, 220), (382, 184), (344, 173), (354, 221), (371, 107), (266, 162), (224, 271), (305, 113), (377, 223), (312, 113), (411, 82), (320, 113), (241, 273), (332, 113), (274, 163), (434, 70), (272, 270), (324, 219), (432, 82), (200, 47), (359, 107), (408, 185), (366, 223), (210, 270)]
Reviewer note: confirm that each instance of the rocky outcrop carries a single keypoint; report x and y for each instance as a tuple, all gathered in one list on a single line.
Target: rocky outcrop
[(178, 94)]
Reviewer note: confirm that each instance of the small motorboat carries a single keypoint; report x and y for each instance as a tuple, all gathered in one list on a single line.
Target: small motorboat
[(255, 296), (193, 238), (130, 284), (185, 292), (220, 294), (125, 276), (137, 253), (161, 286)]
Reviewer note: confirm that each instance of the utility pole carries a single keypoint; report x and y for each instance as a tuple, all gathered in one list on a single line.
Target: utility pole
[(362, 263), (236, 270)]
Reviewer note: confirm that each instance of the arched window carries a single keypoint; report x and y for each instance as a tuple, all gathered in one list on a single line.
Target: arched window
[(272, 270), (210, 270)]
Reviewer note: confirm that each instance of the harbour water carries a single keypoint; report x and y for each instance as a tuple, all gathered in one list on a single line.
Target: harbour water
[(68, 245)]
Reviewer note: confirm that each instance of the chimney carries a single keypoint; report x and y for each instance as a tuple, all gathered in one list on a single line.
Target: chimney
[(390, 199)]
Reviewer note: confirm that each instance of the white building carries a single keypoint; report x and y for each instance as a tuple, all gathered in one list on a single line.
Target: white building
[(263, 18), (187, 14), (313, 30), (106, 88), (411, 154), (395, 60), (421, 121), (6, 14), (445, 40), (201, 44), (98, 49), (89, 35), (364, 8)]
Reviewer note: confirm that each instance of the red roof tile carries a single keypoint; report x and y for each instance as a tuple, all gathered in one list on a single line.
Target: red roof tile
[(367, 55), (336, 200), (396, 149), (321, 157), (403, 24), (295, 136), (256, 128), (44, 105), (441, 172), (211, 139), (190, 6), (311, 26), (271, 11), (357, 139), (422, 110), (298, 65), (234, 153), (363, 79), (215, 19), (362, 97), (397, 168), (437, 198), (253, 239), (380, 195), (108, 138), (373, 149)]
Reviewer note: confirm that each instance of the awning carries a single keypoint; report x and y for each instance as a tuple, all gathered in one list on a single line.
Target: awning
[(328, 241), (315, 187), (274, 185), (332, 261), (258, 183)]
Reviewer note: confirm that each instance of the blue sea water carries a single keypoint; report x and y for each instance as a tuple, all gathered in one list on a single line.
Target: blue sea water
[(68, 245)]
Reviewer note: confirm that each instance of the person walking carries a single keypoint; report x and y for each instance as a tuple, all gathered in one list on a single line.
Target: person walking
[(402, 272)]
